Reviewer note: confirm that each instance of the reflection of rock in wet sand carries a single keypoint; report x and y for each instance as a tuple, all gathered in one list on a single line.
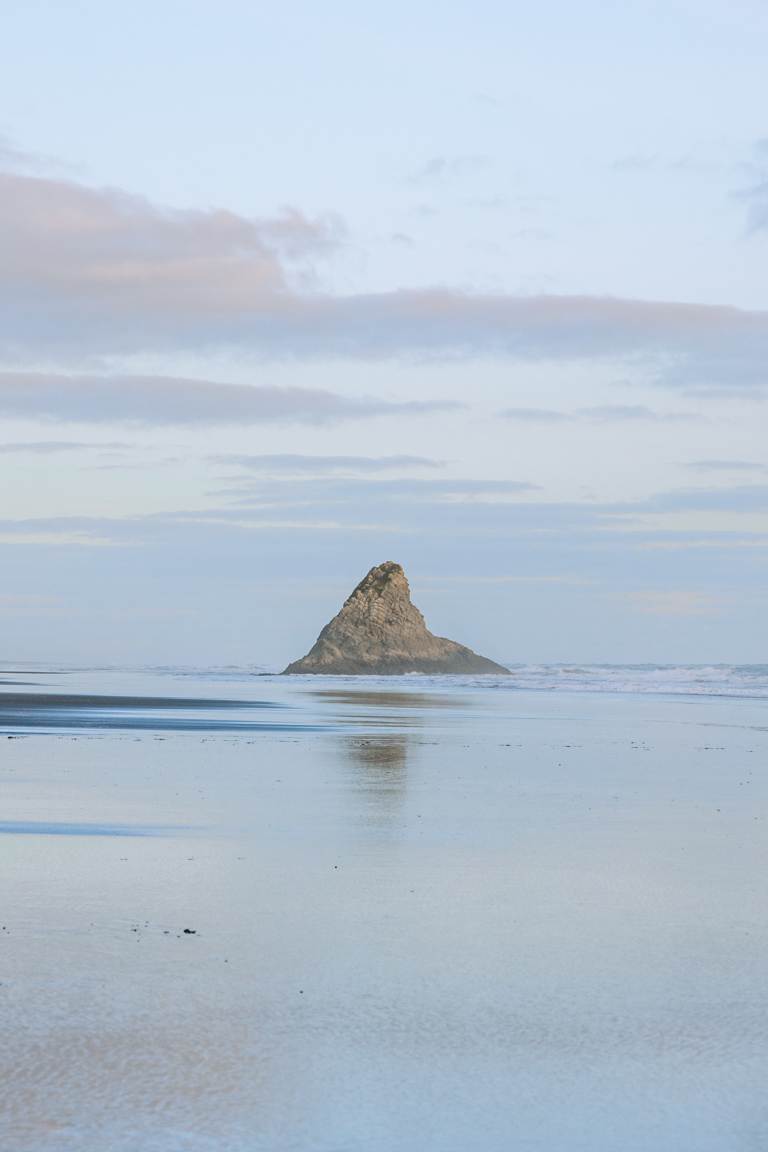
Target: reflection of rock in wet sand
[(380, 775), (381, 759), (386, 699), (385, 709), (379, 754)]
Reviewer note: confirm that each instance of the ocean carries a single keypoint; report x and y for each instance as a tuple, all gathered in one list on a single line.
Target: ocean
[(737, 680)]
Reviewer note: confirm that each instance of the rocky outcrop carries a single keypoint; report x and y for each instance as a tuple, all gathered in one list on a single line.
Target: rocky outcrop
[(379, 632)]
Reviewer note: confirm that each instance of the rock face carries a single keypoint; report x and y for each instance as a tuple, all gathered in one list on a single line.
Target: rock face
[(379, 632)]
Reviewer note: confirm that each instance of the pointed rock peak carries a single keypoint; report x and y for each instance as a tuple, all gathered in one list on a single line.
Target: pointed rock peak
[(382, 575), (387, 579), (379, 632)]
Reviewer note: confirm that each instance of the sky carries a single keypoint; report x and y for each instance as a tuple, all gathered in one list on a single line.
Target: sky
[(290, 290)]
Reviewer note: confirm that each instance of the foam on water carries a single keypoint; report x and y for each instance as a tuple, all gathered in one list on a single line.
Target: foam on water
[(732, 680), (738, 680), (749, 681)]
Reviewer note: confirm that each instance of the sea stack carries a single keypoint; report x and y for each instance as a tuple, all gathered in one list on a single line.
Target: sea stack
[(379, 632)]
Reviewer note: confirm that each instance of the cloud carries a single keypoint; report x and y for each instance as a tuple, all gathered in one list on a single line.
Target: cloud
[(726, 367), (538, 578), (712, 541), (756, 194), (27, 603), (67, 247), (21, 159), (88, 272), (725, 466), (737, 498), (758, 206), (166, 400), (454, 525), (641, 162), (496, 505), (633, 412), (636, 162), (53, 447), (448, 168), (602, 413), (293, 463), (331, 492), (676, 603), (537, 415), (136, 466), (65, 532)]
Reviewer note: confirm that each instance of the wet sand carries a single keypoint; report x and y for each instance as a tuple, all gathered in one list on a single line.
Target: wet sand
[(376, 916)]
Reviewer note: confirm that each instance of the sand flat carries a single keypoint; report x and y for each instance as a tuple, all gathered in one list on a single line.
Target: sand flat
[(421, 915)]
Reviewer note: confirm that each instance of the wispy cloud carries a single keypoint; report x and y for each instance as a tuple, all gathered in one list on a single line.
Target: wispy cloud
[(18, 159), (509, 521), (24, 602), (758, 206), (635, 162), (677, 602), (507, 504), (537, 415), (755, 194), (470, 525), (725, 466), (696, 162), (538, 578), (295, 464), (66, 532), (172, 401), (734, 498), (54, 447), (634, 412), (602, 413), (449, 168), (333, 491)]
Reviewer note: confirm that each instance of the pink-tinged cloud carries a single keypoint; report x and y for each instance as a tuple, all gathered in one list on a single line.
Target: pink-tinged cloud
[(94, 271), (102, 242)]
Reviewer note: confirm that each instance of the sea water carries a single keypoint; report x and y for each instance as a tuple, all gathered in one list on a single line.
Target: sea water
[(244, 912)]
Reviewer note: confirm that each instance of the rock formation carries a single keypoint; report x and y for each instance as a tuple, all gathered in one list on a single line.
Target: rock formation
[(379, 632)]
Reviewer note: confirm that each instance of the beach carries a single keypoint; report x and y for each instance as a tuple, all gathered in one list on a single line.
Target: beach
[(414, 913)]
